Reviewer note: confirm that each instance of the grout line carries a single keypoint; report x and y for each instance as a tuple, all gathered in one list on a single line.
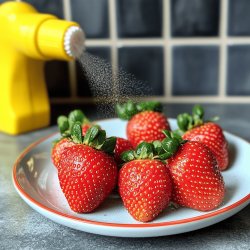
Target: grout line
[(223, 49), (237, 40), (71, 64), (67, 10), (113, 43), (153, 41), (171, 41), (172, 99), (165, 35), (168, 50)]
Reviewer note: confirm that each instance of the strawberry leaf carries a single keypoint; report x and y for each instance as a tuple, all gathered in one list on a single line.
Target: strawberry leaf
[(167, 133), (63, 124), (160, 150), (158, 147), (99, 140), (77, 116), (170, 145), (187, 122), (151, 105), (127, 110), (183, 121), (91, 134), (109, 145), (96, 138), (164, 156), (76, 132), (145, 150), (198, 111), (128, 156)]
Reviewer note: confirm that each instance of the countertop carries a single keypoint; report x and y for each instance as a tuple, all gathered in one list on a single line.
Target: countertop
[(23, 228)]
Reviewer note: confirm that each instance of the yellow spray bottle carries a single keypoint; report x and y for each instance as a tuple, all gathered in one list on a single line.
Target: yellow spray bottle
[(28, 39)]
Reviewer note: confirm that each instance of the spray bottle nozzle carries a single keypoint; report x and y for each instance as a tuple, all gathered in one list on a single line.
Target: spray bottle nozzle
[(74, 41)]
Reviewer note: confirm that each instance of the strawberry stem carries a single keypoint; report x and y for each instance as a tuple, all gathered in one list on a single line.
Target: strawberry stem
[(127, 110)]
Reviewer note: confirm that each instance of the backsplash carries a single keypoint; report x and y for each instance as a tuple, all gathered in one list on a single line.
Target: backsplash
[(184, 51)]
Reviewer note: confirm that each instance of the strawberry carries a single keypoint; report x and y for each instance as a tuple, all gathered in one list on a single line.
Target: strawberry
[(65, 124), (197, 181), (144, 183), (146, 121), (121, 146), (58, 148), (87, 173), (211, 134)]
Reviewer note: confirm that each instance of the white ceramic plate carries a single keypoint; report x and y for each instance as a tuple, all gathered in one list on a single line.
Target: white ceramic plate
[(35, 179)]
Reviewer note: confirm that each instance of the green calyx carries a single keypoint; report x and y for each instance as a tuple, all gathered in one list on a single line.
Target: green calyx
[(65, 123), (160, 150), (127, 110), (95, 137), (187, 121), (71, 127)]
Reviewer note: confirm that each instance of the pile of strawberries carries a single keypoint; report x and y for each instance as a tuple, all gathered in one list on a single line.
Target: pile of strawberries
[(152, 168)]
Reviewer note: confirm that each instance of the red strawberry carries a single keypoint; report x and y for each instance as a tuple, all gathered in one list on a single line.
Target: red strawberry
[(146, 126), (146, 121), (197, 181), (64, 124), (211, 134), (144, 184), (86, 174), (121, 146), (58, 148)]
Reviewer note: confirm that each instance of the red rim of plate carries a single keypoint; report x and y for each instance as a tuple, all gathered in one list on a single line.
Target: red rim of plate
[(109, 224)]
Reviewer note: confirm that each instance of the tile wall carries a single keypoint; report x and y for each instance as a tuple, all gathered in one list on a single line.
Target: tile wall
[(184, 51)]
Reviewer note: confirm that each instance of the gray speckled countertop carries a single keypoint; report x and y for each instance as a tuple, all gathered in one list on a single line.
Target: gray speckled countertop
[(23, 228)]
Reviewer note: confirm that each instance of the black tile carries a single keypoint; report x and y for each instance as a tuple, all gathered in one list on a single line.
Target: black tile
[(145, 64), (57, 78), (54, 7), (85, 85), (195, 18), (239, 18), (195, 70), (102, 52), (140, 18), (238, 73), (92, 15)]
